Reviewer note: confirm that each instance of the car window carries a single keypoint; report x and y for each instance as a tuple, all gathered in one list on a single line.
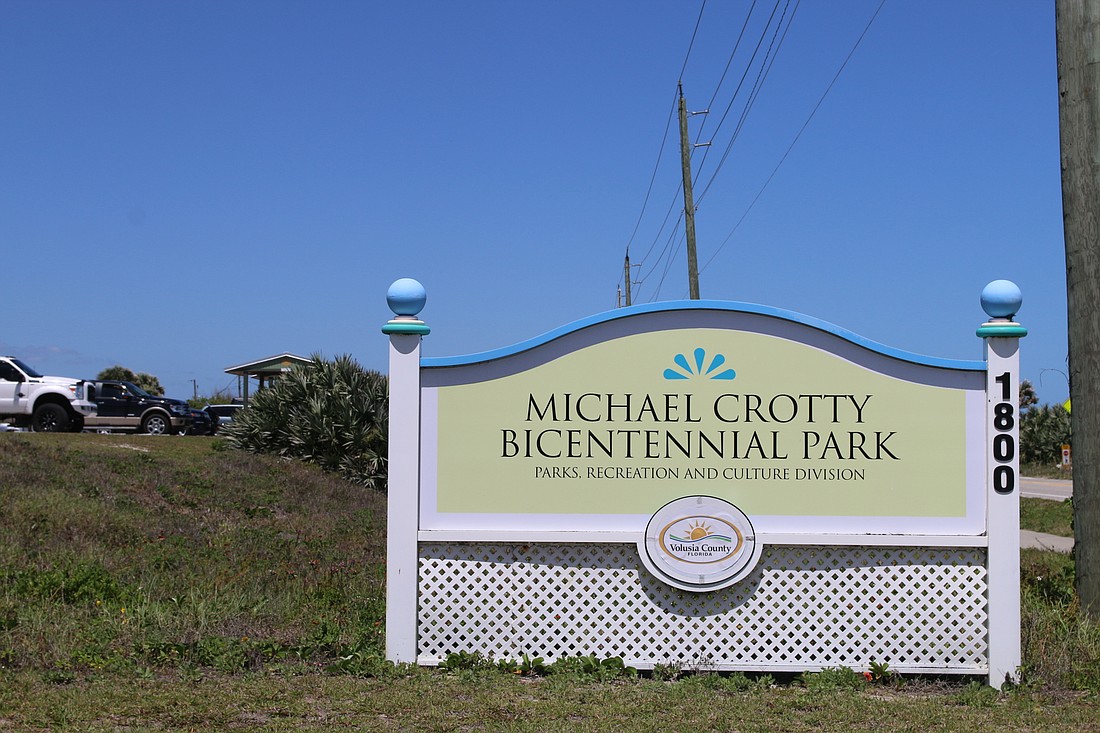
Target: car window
[(136, 390), (30, 372)]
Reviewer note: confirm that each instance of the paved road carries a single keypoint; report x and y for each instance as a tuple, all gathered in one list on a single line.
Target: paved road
[(1042, 541), (1046, 488)]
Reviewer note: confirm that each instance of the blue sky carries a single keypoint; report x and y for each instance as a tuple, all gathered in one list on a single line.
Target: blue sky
[(185, 186)]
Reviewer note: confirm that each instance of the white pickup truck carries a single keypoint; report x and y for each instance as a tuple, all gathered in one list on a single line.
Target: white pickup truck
[(49, 404)]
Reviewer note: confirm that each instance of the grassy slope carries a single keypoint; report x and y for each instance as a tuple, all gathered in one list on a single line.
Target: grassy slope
[(1044, 515), (129, 551), (160, 583)]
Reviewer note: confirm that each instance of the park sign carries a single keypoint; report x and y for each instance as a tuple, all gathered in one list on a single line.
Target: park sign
[(801, 433), (702, 457)]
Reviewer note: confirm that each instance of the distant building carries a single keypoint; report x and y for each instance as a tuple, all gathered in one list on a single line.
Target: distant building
[(264, 371)]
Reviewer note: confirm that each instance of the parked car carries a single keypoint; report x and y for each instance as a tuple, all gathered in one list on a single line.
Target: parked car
[(224, 413), (202, 423), (126, 406)]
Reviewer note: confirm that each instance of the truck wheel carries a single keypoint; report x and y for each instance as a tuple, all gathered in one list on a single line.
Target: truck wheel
[(50, 418), (156, 424)]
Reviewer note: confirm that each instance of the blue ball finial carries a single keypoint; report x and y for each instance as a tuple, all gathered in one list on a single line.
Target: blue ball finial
[(406, 297), (1001, 299)]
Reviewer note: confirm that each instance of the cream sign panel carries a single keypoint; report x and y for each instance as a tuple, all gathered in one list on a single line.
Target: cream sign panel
[(797, 437)]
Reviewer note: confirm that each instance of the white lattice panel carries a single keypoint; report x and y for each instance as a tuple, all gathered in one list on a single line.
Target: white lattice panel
[(803, 608)]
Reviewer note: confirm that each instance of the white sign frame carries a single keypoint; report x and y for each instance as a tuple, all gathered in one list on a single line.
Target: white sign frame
[(991, 520)]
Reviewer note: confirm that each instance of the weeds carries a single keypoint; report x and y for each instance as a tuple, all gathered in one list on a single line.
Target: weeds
[(76, 584), (360, 659), (525, 666), (171, 562), (667, 672), (731, 682), (457, 661), (833, 679), (1061, 646), (977, 695), (880, 673), (591, 667), (587, 667)]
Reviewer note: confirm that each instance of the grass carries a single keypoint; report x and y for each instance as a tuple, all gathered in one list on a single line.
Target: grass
[(168, 583), (1047, 516), (426, 701), (1046, 470), (132, 552)]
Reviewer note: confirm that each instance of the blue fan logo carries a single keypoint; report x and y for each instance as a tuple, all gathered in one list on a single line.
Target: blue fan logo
[(695, 369)]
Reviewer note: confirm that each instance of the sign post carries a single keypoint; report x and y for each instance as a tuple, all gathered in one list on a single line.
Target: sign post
[(406, 299), (1000, 300)]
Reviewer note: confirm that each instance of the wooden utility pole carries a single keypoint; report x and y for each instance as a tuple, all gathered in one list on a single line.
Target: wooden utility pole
[(626, 277), (1078, 39), (689, 204)]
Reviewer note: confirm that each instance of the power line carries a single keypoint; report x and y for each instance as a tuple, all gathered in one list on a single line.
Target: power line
[(691, 43), (675, 236), (669, 251), (754, 93), (798, 135), (649, 268), (667, 256), (741, 81), (653, 177), (729, 62), (664, 223), (664, 137)]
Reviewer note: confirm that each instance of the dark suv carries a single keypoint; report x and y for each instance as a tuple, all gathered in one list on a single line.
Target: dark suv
[(126, 406), (204, 423)]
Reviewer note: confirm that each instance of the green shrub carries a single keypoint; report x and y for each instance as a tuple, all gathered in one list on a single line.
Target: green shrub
[(1043, 432), (330, 413)]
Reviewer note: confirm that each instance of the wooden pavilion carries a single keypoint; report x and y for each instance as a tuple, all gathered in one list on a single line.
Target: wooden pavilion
[(264, 371)]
